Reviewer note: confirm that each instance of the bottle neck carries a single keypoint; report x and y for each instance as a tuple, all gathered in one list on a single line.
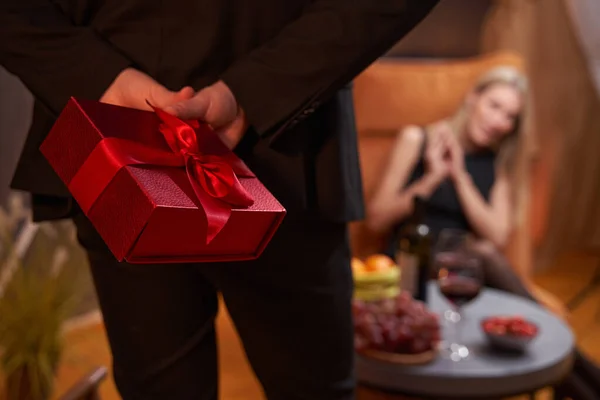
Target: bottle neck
[(419, 210)]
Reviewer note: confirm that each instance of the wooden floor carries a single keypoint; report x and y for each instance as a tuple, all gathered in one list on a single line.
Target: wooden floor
[(87, 347)]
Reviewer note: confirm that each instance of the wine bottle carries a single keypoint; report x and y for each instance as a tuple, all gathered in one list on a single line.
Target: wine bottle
[(413, 252)]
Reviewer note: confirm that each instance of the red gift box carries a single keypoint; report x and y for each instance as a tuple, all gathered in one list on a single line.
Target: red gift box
[(158, 189)]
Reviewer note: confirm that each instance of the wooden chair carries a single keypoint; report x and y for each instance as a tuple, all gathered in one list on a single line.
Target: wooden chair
[(87, 387)]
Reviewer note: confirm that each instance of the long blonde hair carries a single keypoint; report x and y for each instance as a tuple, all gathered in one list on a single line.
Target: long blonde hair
[(515, 149)]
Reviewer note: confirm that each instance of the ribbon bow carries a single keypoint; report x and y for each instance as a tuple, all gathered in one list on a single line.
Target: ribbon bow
[(212, 169)]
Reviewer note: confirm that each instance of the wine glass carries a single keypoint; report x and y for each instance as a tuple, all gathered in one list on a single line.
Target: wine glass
[(449, 241), (459, 277)]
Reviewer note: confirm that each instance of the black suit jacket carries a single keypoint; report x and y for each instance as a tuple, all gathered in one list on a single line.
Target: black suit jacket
[(288, 62)]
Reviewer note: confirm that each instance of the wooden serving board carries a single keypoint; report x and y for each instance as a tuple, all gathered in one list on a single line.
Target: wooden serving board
[(404, 359)]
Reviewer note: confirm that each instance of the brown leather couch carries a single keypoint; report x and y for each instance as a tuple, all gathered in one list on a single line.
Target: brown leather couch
[(393, 93)]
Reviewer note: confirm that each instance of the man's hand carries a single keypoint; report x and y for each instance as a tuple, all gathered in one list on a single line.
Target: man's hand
[(215, 105), (132, 88)]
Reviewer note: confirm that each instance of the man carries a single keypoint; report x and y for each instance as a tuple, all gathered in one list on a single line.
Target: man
[(271, 76)]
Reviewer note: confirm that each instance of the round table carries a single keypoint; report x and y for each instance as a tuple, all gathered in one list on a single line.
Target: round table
[(486, 373)]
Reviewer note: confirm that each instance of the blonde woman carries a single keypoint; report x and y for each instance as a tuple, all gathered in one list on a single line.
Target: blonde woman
[(464, 165), (471, 168)]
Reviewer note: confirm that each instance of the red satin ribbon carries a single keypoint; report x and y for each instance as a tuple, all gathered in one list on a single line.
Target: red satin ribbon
[(212, 169)]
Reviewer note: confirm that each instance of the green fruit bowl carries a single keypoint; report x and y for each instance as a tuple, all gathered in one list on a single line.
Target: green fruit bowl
[(376, 293), (391, 276)]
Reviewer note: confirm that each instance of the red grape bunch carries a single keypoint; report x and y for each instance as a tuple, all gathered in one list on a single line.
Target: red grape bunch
[(399, 325)]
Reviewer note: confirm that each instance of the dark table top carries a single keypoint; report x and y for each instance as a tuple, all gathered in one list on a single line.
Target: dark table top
[(486, 372)]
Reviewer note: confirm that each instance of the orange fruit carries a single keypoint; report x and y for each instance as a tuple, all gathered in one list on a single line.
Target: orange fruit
[(379, 262), (358, 267)]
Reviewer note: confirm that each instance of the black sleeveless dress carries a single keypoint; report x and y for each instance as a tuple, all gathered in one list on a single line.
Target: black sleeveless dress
[(444, 209)]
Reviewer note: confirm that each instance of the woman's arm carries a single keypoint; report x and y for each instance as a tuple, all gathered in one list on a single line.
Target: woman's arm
[(390, 203), (490, 220)]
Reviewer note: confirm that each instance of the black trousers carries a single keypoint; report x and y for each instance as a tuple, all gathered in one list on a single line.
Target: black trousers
[(292, 309)]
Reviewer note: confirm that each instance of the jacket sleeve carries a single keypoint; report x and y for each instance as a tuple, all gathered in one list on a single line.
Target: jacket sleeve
[(285, 79), (52, 57)]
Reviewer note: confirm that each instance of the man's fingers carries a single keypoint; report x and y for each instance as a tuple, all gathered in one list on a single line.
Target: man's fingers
[(185, 93), (193, 108), (162, 97), (233, 132)]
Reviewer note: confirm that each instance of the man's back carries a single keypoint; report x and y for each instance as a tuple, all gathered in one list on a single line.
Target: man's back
[(177, 42), (184, 42), (284, 61)]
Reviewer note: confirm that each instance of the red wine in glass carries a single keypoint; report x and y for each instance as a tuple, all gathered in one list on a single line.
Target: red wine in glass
[(460, 290), (459, 277)]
